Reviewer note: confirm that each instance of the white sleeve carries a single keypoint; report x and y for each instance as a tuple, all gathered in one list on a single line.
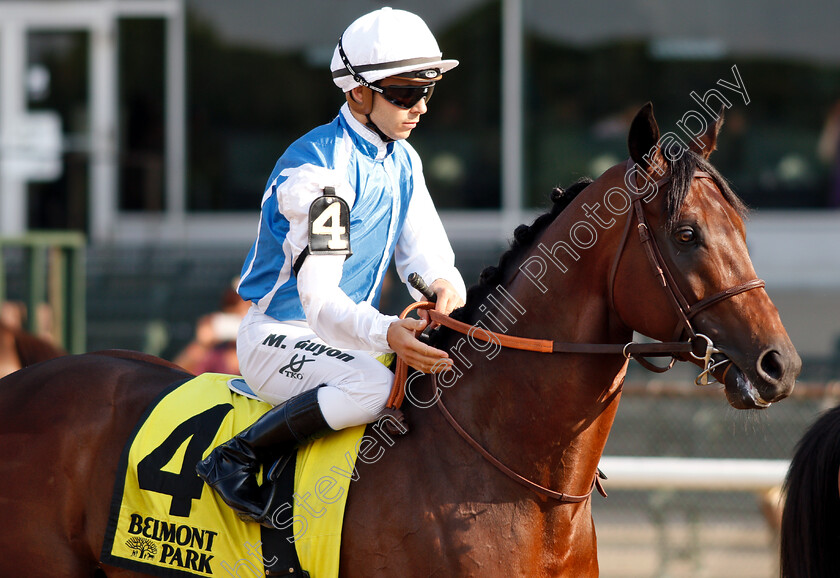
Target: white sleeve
[(304, 184), (332, 315), (423, 246)]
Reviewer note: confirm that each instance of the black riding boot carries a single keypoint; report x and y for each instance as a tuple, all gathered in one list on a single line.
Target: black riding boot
[(231, 468)]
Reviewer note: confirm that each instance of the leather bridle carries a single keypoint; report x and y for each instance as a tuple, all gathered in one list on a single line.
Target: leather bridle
[(662, 272), (685, 312)]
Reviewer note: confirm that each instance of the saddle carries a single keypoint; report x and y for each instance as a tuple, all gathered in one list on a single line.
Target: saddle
[(165, 522)]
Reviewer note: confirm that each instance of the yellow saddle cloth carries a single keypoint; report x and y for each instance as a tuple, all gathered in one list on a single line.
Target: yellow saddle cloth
[(165, 521)]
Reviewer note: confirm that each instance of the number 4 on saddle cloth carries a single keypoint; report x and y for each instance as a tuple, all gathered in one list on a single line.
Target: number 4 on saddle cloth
[(164, 521)]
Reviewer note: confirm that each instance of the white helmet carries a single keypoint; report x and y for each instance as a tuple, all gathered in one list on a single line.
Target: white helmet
[(386, 43)]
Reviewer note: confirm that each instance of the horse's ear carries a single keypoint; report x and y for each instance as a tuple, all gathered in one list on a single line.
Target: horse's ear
[(644, 138), (709, 138)]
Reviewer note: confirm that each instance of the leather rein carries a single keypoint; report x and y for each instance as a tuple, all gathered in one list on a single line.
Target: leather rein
[(635, 350)]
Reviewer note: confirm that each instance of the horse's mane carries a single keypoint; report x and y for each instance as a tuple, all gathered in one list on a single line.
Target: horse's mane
[(811, 518), (523, 237), (681, 171)]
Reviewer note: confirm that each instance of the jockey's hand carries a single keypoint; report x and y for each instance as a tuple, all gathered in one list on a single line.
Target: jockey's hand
[(447, 298), (403, 340)]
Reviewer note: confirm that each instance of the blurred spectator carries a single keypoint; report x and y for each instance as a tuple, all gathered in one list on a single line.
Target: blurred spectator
[(18, 348), (12, 314), (213, 350), (828, 149)]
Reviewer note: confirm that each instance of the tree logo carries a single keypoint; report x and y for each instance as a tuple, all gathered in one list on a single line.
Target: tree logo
[(141, 548)]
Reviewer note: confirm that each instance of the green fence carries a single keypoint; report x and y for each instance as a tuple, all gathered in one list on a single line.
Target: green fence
[(54, 267)]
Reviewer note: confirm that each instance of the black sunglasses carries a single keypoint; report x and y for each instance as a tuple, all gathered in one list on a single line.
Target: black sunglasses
[(405, 96)]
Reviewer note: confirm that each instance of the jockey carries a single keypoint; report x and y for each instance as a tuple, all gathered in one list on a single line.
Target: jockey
[(341, 202)]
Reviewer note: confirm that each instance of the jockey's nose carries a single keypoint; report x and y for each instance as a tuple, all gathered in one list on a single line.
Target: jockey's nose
[(420, 107)]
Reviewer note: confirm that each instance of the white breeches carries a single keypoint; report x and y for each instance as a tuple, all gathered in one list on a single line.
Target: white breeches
[(280, 360)]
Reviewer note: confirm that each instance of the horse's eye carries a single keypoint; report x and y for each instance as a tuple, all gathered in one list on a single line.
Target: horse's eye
[(685, 235)]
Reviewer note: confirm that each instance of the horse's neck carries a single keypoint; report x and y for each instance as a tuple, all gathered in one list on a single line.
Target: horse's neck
[(545, 415)]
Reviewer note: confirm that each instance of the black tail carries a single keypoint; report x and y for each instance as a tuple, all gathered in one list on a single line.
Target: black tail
[(810, 536)]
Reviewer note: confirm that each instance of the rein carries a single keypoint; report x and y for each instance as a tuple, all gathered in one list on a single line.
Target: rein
[(541, 490), (397, 397), (636, 350)]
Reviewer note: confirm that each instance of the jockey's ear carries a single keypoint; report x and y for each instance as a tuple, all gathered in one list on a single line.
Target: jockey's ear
[(708, 139), (360, 100), (643, 142)]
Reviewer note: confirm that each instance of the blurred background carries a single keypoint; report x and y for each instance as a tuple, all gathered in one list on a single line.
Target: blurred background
[(136, 137)]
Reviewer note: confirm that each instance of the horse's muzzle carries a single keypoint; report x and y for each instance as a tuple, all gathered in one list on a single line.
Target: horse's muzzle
[(771, 380)]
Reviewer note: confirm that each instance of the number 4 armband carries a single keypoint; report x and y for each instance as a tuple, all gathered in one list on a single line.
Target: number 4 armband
[(329, 228)]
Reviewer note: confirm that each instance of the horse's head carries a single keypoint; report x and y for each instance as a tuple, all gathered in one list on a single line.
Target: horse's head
[(708, 285)]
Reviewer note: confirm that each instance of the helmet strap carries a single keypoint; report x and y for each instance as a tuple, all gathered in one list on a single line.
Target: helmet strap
[(356, 76), (372, 126), (366, 106)]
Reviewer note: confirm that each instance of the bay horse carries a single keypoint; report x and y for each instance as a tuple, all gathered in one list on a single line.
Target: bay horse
[(811, 514), (615, 257)]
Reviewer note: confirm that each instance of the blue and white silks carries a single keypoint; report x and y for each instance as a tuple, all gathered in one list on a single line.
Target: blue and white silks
[(391, 216)]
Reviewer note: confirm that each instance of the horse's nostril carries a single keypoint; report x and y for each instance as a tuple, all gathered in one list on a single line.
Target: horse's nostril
[(770, 365)]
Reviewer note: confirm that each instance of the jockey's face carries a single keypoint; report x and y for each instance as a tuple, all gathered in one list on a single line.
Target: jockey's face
[(395, 121)]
